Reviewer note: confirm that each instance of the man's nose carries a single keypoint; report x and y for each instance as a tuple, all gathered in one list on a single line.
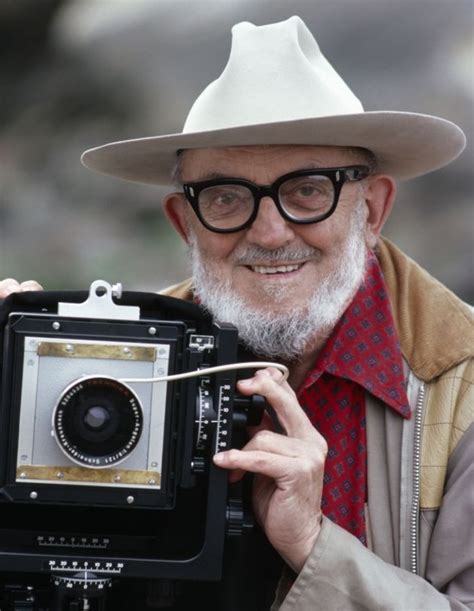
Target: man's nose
[(269, 229)]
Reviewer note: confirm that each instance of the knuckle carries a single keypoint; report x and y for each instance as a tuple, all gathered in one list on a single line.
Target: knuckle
[(263, 436), (307, 467), (9, 282), (31, 285), (324, 447), (232, 456), (8, 286), (260, 462)]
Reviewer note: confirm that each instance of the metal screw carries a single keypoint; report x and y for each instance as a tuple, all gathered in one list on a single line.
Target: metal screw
[(130, 499), (152, 482), (22, 475), (152, 330), (59, 475), (117, 478), (126, 350), (69, 348), (33, 495), (56, 326), (117, 290)]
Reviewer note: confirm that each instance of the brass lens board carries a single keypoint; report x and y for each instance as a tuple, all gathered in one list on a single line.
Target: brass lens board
[(97, 351)]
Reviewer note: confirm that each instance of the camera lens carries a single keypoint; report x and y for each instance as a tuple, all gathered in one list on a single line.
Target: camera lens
[(98, 421)]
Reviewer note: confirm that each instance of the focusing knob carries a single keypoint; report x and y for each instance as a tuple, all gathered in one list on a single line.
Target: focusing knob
[(248, 411), (198, 465), (237, 519)]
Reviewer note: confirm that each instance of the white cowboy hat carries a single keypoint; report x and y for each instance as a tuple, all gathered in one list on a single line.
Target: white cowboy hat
[(278, 88)]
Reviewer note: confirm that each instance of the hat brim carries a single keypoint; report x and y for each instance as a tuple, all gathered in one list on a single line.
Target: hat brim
[(406, 144)]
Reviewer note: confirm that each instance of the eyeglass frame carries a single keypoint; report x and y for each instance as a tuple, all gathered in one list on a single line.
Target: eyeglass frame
[(338, 176)]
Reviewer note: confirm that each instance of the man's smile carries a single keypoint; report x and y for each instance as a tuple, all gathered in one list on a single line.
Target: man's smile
[(276, 269)]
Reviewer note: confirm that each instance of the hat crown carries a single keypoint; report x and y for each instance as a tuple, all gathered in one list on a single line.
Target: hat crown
[(278, 89), (275, 73)]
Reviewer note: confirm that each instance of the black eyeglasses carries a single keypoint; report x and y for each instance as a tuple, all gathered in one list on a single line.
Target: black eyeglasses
[(305, 196)]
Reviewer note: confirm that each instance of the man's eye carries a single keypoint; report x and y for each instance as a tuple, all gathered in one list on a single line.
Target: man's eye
[(307, 191), (225, 199), (310, 191)]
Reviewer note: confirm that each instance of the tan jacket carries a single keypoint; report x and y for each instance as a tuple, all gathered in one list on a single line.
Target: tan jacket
[(420, 471)]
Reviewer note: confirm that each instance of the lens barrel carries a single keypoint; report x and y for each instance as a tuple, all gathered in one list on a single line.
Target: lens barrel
[(98, 421)]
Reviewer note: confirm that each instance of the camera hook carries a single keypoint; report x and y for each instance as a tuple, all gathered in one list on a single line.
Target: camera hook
[(100, 304)]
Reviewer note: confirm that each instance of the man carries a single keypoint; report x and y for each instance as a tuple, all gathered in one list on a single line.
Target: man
[(285, 184)]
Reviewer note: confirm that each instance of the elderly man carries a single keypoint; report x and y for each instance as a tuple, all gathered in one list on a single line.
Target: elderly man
[(285, 184)]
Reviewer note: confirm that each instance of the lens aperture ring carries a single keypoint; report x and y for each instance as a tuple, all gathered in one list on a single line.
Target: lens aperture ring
[(98, 421)]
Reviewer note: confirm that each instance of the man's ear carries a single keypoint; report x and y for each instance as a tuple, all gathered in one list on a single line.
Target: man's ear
[(379, 196), (176, 210)]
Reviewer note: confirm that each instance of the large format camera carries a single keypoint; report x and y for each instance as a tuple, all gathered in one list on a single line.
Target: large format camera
[(106, 469)]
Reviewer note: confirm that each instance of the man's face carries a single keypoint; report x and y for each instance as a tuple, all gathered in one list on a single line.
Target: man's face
[(303, 255), (279, 282)]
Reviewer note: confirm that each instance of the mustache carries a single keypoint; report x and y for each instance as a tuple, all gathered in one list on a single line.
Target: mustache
[(256, 254)]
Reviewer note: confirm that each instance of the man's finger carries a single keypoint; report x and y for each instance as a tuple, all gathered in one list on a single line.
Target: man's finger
[(268, 441), (30, 285), (10, 285), (277, 467), (283, 400)]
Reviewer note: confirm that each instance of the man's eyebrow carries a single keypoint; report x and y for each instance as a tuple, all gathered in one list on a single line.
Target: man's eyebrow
[(209, 176), (214, 176)]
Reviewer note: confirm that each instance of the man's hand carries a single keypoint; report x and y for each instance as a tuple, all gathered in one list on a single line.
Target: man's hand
[(289, 470), (9, 285)]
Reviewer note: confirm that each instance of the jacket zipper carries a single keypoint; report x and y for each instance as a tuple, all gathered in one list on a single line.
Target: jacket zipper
[(415, 508)]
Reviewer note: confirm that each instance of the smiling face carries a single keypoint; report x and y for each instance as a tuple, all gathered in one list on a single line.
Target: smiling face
[(275, 267)]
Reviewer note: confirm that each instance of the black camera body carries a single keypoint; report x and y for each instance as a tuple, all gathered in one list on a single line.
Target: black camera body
[(105, 474)]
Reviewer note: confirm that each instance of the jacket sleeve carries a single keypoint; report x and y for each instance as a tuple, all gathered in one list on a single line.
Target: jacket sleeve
[(342, 574)]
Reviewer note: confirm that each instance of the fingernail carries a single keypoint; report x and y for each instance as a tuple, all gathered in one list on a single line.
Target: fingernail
[(219, 458), (246, 383)]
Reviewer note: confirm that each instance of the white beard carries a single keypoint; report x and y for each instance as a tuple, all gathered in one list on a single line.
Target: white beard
[(287, 334)]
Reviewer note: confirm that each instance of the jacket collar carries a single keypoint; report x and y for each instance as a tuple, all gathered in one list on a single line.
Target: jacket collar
[(434, 326)]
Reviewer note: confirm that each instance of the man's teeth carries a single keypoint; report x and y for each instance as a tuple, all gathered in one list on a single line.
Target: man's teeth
[(275, 269)]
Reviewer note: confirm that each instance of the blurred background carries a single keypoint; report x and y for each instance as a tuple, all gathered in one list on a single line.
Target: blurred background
[(80, 73)]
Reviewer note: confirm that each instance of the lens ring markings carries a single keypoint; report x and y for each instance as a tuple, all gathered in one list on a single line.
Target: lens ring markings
[(97, 421)]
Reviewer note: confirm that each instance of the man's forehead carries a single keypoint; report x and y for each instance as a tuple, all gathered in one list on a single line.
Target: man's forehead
[(207, 163)]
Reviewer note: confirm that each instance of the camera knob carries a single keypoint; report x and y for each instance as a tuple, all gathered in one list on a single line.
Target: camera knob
[(248, 411), (237, 519), (198, 465)]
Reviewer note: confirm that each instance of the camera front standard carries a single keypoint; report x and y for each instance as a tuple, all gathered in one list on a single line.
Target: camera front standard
[(107, 437)]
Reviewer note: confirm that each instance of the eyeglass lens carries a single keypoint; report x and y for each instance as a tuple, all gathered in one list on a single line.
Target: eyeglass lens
[(303, 198)]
